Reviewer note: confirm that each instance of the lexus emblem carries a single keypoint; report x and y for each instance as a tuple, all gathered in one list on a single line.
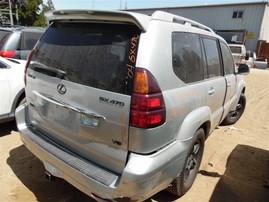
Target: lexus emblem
[(61, 89)]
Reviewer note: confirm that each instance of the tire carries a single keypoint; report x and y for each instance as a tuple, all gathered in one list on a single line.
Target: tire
[(234, 116), (184, 181)]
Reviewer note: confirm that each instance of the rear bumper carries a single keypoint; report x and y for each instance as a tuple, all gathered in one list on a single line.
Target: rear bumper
[(143, 176)]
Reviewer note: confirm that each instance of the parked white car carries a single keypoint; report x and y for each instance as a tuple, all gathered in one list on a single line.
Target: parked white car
[(250, 59), (239, 53), (11, 87), (261, 63), (254, 62)]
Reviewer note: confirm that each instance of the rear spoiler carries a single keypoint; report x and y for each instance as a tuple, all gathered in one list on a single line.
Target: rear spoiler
[(139, 20)]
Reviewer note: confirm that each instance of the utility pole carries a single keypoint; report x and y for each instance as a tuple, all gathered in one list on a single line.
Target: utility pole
[(126, 5), (10, 13), (17, 14)]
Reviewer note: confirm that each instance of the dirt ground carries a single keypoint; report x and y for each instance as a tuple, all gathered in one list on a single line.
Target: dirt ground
[(235, 165)]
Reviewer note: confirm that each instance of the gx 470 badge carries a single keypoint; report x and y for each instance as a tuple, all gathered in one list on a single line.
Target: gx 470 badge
[(111, 102)]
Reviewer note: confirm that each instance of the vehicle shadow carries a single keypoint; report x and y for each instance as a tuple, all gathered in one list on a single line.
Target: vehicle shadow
[(30, 171), (7, 128), (247, 169)]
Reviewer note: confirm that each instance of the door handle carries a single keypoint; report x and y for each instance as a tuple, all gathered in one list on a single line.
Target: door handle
[(228, 83), (211, 91)]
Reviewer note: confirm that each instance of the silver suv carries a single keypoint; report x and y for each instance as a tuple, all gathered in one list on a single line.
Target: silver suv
[(17, 42), (119, 104)]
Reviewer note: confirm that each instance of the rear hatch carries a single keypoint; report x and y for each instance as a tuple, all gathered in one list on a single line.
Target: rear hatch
[(79, 85)]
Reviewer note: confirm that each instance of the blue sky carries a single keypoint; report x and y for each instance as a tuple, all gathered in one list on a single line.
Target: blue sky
[(121, 4)]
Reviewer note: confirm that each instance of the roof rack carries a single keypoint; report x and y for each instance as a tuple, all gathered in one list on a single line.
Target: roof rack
[(169, 17)]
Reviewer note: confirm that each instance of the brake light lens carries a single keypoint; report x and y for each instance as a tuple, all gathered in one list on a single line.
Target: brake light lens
[(148, 108), (7, 53)]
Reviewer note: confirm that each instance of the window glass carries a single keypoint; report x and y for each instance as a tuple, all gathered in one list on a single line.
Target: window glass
[(227, 59), (97, 55), (235, 49), (235, 14), (11, 41), (212, 57), (240, 14), (3, 36), (188, 63), (3, 65), (30, 39)]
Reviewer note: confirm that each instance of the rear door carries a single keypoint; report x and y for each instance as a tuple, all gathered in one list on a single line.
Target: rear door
[(230, 78), (79, 84), (215, 82)]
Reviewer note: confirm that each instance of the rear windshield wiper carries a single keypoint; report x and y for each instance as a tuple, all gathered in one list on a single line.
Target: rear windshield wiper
[(41, 68)]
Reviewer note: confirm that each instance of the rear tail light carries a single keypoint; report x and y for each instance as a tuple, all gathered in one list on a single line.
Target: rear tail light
[(7, 53), (148, 108), (29, 57)]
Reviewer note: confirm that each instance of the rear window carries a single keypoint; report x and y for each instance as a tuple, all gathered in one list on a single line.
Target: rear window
[(3, 36), (29, 40), (10, 41), (98, 55), (235, 49)]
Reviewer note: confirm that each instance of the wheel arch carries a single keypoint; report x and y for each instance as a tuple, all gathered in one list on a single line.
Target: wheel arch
[(199, 118), (206, 127), (17, 100), (243, 90)]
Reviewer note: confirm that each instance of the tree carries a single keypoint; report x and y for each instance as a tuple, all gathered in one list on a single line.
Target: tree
[(50, 5), (41, 21), (29, 12)]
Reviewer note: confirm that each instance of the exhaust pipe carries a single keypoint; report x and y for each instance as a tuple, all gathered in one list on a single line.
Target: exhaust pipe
[(51, 178)]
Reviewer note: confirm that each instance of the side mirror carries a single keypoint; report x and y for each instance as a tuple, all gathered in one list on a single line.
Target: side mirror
[(243, 69)]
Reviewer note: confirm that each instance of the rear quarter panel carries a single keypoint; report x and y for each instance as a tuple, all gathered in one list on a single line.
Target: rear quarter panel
[(240, 88), (180, 99)]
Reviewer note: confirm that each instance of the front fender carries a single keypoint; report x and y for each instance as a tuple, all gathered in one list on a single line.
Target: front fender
[(193, 121)]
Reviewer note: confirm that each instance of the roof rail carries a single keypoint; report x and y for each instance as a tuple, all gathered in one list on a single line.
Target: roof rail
[(169, 17)]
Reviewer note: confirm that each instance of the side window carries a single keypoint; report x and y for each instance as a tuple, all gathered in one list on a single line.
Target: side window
[(3, 66), (227, 59), (188, 63), (212, 57), (29, 40)]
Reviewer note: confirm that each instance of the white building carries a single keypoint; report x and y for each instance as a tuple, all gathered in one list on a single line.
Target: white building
[(245, 23)]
